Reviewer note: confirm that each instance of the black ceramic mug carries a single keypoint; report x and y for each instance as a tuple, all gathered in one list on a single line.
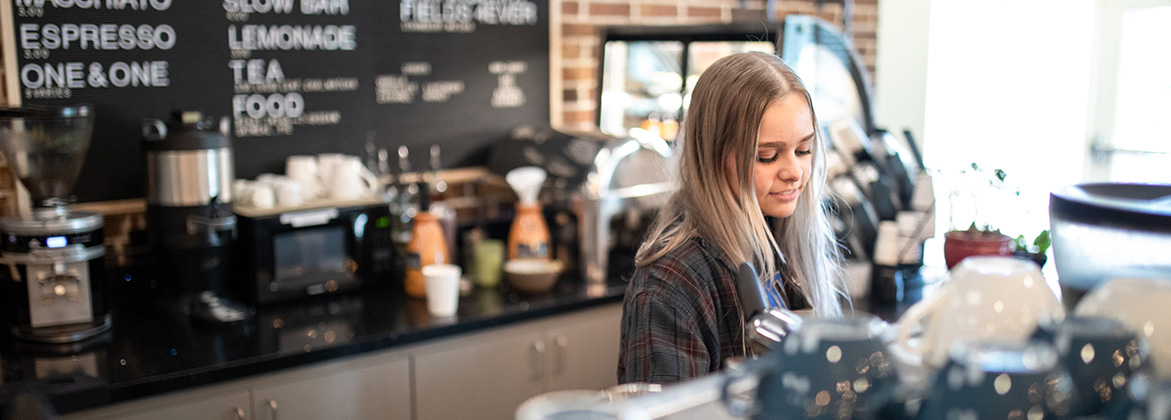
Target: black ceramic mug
[(987, 379), (827, 369), (1100, 354)]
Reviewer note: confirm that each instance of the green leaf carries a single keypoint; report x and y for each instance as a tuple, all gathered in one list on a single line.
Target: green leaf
[(1043, 241), (1021, 243)]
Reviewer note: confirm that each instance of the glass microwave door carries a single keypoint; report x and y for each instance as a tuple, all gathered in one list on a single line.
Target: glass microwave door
[(304, 257)]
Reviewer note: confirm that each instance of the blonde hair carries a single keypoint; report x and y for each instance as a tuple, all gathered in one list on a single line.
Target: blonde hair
[(724, 117)]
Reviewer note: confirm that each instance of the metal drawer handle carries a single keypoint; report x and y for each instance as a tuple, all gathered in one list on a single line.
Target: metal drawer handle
[(561, 354), (239, 413), (272, 409), (537, 353)]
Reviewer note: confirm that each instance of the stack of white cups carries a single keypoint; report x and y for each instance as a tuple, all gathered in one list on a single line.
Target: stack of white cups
[(327, 176), (333, 176)]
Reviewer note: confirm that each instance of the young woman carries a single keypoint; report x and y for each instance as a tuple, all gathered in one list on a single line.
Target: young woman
[(751, 166)]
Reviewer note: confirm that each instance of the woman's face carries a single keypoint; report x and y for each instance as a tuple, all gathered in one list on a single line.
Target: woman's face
[(784, 156)]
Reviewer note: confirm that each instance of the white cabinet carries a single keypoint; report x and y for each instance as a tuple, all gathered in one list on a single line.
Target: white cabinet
[(488, 375), (583, 350), (370, 387), (214, 403), (481, 375), (366, 388)]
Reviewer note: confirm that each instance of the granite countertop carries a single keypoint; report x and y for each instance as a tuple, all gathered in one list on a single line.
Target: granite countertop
[(149, 351)]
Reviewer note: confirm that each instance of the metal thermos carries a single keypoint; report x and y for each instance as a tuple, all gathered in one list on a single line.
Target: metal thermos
[(189, 205)]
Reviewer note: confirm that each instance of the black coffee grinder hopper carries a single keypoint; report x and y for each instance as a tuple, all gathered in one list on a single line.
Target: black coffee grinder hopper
[(53, 286)]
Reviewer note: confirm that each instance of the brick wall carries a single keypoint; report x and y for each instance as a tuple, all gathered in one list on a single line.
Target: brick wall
[(579, 38)]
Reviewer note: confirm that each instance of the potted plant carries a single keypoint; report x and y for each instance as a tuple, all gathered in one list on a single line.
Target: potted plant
[(1034, 251), (960, 244), (982, 197)]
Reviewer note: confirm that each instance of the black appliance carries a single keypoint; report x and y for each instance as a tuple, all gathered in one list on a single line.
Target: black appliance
[(52, 288), (293, 254), (189, 212)]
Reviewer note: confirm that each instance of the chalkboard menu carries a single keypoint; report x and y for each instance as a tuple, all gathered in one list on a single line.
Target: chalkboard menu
[(294, 76)]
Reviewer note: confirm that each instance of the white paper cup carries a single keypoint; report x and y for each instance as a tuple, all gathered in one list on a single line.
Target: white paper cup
[(442, 285)]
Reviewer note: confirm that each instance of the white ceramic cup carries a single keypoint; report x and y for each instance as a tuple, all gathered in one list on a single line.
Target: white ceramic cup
[(303, 169), (1142, 305), (350, 180), (287, 192), (261, 196), (267, 178), (253, 194), (442, 285), (986, 298), (325, 171), (241, 191)]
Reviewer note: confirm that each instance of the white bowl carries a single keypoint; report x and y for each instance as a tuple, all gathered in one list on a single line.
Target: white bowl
[(532, 275)]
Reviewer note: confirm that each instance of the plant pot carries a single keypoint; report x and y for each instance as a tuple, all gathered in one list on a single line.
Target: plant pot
[(959, 244), (1039, 258)]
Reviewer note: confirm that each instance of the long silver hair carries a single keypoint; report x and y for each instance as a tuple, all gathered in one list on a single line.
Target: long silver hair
[(723, 120)]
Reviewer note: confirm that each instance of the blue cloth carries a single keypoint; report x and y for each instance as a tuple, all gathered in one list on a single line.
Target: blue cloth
[(774, 295)]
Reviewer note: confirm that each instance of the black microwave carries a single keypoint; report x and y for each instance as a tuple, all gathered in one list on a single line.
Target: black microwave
[(290, 255)]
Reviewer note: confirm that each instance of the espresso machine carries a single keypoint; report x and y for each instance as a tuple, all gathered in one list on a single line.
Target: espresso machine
[(189, 170), (623, 191), (53, 286)]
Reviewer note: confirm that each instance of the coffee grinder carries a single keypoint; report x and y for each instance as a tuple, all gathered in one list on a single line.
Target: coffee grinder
[(53, 288), (190, 169)]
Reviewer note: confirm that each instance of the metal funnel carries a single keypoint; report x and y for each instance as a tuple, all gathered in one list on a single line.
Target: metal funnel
[(45, 148)]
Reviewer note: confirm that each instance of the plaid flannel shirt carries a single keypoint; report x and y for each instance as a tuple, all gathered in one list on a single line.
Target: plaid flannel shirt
[(681, 316)]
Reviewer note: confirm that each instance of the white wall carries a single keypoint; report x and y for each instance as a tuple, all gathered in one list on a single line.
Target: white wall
[(900, 80), (1003, 83)]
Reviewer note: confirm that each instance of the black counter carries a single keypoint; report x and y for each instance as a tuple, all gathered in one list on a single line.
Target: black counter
[(149, 351)]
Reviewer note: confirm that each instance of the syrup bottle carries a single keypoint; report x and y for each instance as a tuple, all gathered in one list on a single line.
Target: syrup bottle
[(427, 245), (529, 235)]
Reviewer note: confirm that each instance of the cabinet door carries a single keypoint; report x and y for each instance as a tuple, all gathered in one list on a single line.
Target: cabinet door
[(367, 389), (482, 377), (196, 405), (583, 350)]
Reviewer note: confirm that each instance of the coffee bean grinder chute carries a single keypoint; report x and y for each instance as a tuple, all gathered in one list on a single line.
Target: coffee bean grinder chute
[(53, 286), (189, 213)]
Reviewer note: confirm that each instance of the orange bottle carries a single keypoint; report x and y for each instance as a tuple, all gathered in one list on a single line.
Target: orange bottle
[(427, 246), (529, 235)]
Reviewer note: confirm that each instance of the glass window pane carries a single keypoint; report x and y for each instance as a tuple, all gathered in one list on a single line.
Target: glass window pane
[(1143, 104), (703, 54), (1144, 81), (830, 83), (642, 81)]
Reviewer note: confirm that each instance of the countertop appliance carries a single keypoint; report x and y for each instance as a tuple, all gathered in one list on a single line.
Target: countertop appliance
[(1106, 230), (53, 288), (290, 254), (629, 181), (189, 170)]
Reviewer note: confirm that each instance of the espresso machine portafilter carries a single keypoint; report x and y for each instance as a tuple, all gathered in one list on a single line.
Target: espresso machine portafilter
[(189, 212), (765, 325), (53, 286)]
